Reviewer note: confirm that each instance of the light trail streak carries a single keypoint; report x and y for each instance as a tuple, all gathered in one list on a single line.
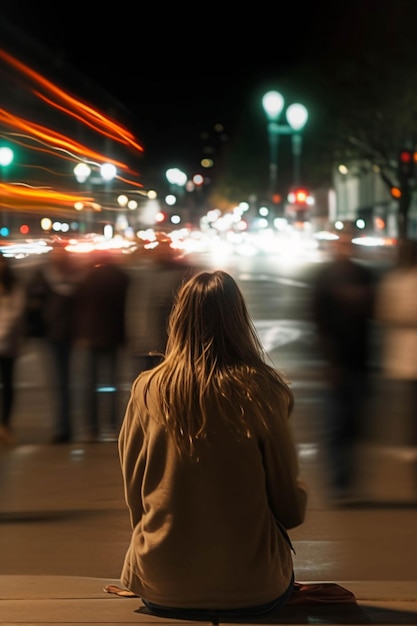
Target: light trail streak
[(65, 154), (93, 117), (19, 196), (50, 136), (16, 191), (43, 140)]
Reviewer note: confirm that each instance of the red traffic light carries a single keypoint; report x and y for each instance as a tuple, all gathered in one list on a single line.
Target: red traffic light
[(299, 196), (406, 163), (406, 156)]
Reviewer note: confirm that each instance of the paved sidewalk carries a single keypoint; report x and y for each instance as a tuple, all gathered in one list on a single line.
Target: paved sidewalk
[(72, 493), (68, 600)]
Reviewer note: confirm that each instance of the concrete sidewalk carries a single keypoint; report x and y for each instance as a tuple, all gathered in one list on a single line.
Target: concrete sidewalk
[(64, 529), (30, 600)]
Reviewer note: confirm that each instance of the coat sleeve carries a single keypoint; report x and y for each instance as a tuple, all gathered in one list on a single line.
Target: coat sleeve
[(132, 456), (287, 494)]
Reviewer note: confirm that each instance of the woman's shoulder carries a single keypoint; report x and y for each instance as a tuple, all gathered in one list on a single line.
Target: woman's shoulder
[(275, 386), (271, 377), (142, 382)]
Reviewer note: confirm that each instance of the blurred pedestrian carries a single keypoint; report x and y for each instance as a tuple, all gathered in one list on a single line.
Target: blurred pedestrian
[(209, 466), (101, 331), (166, 271), (50, 306), (342, 309), (396, 312), (12, 303)]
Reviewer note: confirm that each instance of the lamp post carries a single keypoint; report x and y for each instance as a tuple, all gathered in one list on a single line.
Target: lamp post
[(177, 180), (82, 173), (122, 223), (296, 115), (108, 172), (176, 177), (85, 174)]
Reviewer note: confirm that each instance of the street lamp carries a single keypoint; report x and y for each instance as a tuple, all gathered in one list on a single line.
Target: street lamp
[(108, 172), (175, 176), (177, 180), (84, 174), (82, 171), (122, 223), (296, 115), (6, 156)]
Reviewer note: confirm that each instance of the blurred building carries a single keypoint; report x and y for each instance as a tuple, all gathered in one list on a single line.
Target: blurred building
[(53, 118), (360, 193)]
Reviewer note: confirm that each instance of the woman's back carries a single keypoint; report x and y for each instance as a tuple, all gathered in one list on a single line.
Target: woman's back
[(209, 463), (206, 531)]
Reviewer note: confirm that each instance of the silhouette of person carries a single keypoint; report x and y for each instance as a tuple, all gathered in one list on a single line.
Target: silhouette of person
[(396, 313), (101, 331), (166, 271), (12, 306), (209, 466), (50, 302), (342, 309)]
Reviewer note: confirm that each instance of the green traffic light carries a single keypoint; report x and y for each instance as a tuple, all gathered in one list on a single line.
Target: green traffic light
[(6, 156)]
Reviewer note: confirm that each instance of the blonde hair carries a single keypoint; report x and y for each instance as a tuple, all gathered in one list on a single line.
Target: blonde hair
[(214, 361)]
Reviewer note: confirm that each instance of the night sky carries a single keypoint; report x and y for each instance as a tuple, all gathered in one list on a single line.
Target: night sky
[(180, 70)]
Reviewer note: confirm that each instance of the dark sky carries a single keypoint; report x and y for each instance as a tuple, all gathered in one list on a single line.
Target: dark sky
[(178, 70)]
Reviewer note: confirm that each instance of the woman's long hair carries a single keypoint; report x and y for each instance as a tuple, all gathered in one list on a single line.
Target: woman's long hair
[(214, 362)]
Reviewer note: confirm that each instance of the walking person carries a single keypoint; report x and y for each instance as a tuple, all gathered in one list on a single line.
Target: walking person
[(209, 466), (165, 273), (396, 315), (12, 304), (101, 331), (50, 307), (342, 309)]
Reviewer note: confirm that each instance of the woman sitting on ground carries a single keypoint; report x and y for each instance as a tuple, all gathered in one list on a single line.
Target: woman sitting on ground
[(209, 465)]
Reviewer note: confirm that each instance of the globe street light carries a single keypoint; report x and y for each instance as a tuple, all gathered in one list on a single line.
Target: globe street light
[(178, 181), (82, 173), (175, 176), (85, 174), (122, 222), (108, 171), (296, 115)]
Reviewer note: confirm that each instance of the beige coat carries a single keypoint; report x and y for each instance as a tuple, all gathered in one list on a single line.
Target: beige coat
[(205, 533)]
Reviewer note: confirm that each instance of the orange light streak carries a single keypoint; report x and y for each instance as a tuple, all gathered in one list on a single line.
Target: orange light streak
[(130, 182), (18, 195), (120, 133), (52, 137), (52, 151), (79, 118)]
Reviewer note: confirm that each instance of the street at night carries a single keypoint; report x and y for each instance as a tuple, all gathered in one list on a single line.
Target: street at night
[(137, 149)]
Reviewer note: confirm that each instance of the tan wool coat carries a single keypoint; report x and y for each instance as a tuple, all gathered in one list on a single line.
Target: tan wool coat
[(205, 532)]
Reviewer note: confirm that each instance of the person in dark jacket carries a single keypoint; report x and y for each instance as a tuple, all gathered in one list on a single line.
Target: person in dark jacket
[(342, 310), (12, 303), (50, 305), (101, 332)]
